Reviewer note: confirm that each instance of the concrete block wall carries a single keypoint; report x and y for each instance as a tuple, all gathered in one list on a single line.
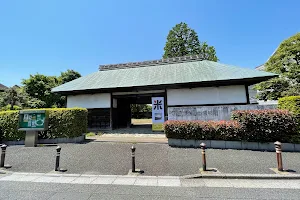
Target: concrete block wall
[(222, 112)]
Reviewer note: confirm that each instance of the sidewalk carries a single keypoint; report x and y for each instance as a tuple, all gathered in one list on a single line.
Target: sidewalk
[(192, 190), (156, 181)]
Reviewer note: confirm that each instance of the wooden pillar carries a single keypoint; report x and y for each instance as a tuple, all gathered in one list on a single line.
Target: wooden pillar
[(247, 94), (166, 105), (111, 112)]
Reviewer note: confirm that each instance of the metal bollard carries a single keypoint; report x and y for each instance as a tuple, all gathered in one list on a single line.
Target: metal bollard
[(3, 151), (203, 146), (58, 149), (133, 158), (278, 155)]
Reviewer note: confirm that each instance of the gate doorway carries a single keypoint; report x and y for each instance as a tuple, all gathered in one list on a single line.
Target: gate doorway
[(122, 115)]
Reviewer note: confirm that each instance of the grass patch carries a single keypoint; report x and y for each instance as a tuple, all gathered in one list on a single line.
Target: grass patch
[(90, 134), (141, 121)]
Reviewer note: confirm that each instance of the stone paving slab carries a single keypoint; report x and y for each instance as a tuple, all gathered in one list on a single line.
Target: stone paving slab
[(122, 180), (84, 180), (63, 179), (104, 180)]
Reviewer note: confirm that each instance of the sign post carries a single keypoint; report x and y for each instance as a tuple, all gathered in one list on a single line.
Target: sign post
[(33, 121), (158, 113)]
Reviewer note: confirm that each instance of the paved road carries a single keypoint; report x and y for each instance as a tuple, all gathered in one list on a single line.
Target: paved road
[(154, 159), (56, 191)]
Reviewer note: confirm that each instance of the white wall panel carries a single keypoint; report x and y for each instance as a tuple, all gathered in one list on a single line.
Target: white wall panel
[(207, 95), (101, 100)]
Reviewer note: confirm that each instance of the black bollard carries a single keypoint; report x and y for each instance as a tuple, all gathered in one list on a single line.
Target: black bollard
[(57, 168), (3, 151), (58, 149), (133, 158)]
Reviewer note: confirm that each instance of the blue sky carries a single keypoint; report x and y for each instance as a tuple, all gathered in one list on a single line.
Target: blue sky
[(48, 37)]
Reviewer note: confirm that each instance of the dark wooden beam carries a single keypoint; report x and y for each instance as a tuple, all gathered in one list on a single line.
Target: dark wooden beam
[(226, 104), (247, 94)]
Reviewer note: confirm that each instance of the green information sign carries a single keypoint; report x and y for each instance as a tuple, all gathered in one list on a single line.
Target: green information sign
[(33, 120)]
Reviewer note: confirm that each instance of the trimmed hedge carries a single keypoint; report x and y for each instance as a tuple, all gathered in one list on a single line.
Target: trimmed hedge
[(63, 122), (9, 126), (266, 125), (203, 130), (291, 104), (249, 125)]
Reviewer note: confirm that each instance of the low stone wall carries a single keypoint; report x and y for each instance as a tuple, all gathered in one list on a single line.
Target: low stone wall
[(206, 113), (220, 144), (49, 141)]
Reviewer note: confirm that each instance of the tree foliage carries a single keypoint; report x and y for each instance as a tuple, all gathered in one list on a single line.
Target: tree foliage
[(285, 62), (11, 98), (140, 110), (68, 76), (183, 41), (39, 86), (36, 92)]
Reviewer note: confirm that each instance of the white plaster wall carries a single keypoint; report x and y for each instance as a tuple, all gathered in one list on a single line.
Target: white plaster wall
[(207, 95), (101, 100)]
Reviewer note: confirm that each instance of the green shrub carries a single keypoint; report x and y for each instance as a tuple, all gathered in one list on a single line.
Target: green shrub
[(266, 125), (8, 107), (291, 104), (203, 130), (63, 122), (66, 122), (250, 125), (9, 126)]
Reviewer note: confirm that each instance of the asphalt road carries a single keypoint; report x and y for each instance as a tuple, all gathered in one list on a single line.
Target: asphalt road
[(154, 159), (32, 191)]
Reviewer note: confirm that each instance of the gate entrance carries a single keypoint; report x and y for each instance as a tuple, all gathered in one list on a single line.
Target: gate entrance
[(122, 115)]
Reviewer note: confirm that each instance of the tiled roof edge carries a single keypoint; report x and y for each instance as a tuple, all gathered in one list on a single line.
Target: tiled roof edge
[(148, 63)]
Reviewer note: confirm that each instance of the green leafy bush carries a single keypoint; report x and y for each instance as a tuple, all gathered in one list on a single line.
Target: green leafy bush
[(63, 122), (250, 125), (9, 126), (203, 130), (266, 125), (291, 104), (8, 107)]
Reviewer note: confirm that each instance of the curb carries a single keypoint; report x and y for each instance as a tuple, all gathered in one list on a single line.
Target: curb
[(192, 176), (242, 176)]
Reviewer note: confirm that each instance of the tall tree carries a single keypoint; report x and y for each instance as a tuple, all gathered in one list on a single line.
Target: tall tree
[(39, 86), (37, 89), (285, 62), (68, 76), (183, 41), (11, 97)]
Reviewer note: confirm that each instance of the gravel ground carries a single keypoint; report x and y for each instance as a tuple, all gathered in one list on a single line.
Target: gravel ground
[(154, 159)]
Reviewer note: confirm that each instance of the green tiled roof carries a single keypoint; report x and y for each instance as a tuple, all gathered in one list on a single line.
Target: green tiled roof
[(173, 73)]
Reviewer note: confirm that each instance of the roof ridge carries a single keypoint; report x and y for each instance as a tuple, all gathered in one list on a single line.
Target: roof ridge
[(163, 61)]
